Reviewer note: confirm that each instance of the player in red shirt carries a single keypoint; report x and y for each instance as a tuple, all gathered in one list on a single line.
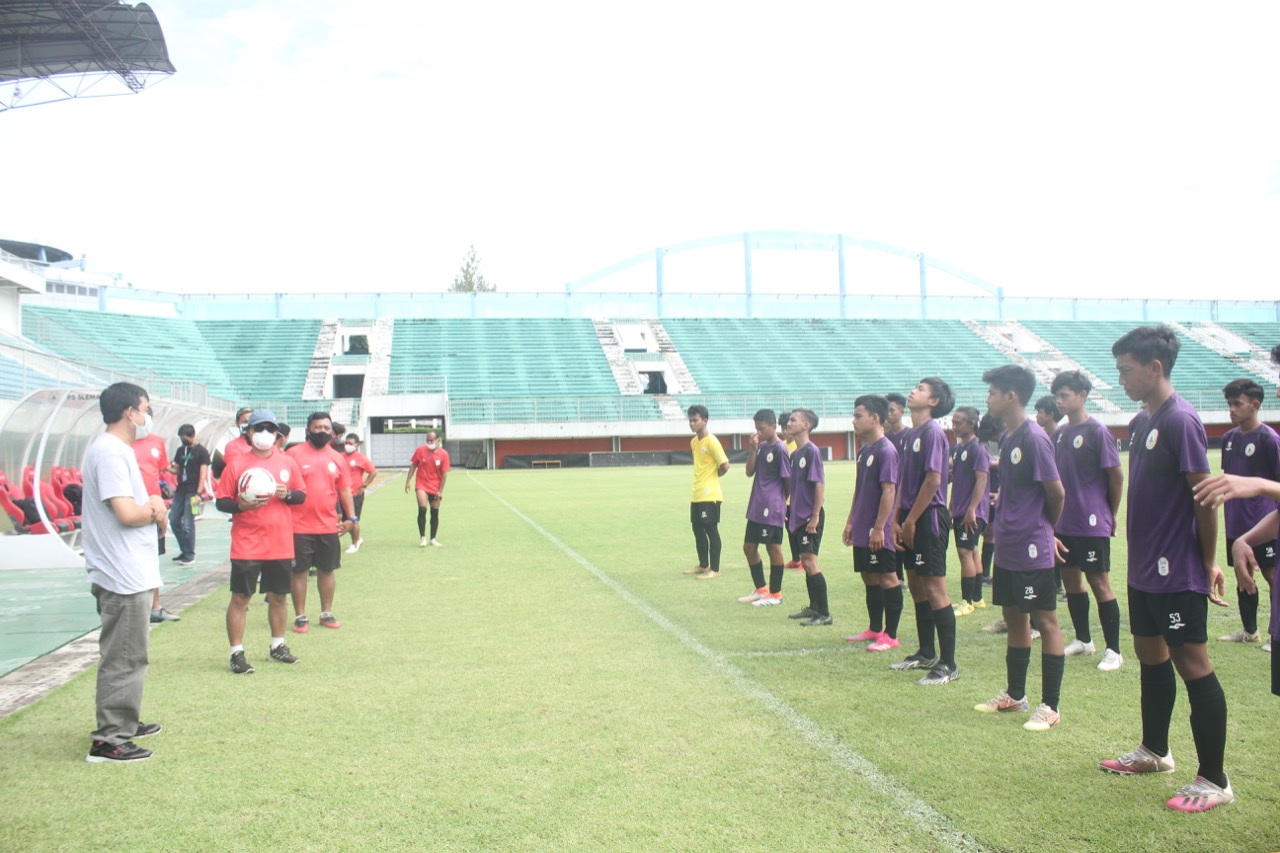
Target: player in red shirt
[(431, 464), (152, 459), (316, 526), (261, 536), (362, 473)]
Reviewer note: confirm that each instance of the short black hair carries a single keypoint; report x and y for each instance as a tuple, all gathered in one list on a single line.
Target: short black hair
[(809, 415), (186, 430), (969, 412), (1072, 380), (990, 427), (119, 398), (874, 404), (1149, 343), (1012, 377), (338, 429), (351, 436), (1049, 406), (1244, 388), (942, 392), (766, 416), (699, 409), (320, 416), (896, 398), (283, 429)]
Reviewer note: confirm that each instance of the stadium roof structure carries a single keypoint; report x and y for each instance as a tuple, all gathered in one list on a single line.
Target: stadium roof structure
[(53, 50)]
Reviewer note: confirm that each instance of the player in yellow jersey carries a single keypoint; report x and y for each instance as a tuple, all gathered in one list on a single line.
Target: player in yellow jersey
[(709, 464)]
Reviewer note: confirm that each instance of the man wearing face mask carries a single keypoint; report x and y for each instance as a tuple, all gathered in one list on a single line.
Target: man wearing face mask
[(430, 463), (261, 535), (361, 474), (234, 444), (121, 528), (317, 530), (190, 466)]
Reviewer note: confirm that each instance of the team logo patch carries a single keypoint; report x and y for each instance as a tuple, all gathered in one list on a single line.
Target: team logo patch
[(155, 453), (804, 540), (1249, 449), (333, 468), (766, 512), (1093, 521), (1016, 456), (804, 463), (1229, 444), (1162, 566), (704, 513), (1152, 438), (437, 463), (871, 457), (1078, 442), (915, 445), (964, 454), (769, 457), (1032, 551), (284, 476)]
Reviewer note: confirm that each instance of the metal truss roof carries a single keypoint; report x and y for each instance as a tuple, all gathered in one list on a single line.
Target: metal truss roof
[(51, 50)]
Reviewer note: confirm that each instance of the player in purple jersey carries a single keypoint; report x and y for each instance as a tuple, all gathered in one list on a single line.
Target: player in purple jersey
[(970, 468), (1089, 464), (1173, 571), (1030, 502), (896, 428), (921, 529), (868, 530), (1048, 415), (1249, 449), (808, 489), (769, 468)]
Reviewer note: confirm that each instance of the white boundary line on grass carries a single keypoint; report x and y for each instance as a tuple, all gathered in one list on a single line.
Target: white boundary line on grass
[(932, 821)]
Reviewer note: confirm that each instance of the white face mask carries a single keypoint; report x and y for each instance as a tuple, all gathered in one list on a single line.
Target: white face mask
[(143, 430), (431, 445), (264, 440), (350, 448)]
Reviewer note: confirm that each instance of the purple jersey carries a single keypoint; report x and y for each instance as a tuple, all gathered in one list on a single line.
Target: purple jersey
[(1084, 453), (877, 465), (1255, 453), (898, 440), (925, 450), (967, 460), (1164, 547), (768, 503), (1023, 534), (806, 473)]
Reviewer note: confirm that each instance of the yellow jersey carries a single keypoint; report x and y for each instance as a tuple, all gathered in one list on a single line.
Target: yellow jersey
[(708, 456)]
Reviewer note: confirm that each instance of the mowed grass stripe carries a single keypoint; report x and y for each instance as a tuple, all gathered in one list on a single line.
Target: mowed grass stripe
[(898, 798)]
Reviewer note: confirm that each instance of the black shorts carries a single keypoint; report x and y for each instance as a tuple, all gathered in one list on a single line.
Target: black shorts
[(802, 541), (1265, 554), (1087, 553), (1036, 589), (321, 551), (929, 558), (883, 561), (762, 534), (260, 576), (357, 504), (966, 541), (704, 512), (1179, 617)]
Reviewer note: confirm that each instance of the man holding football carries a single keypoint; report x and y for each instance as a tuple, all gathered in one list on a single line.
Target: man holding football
[(257, 488)]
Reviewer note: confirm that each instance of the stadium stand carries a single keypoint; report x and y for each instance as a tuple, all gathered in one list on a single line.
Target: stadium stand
[(263, 359)]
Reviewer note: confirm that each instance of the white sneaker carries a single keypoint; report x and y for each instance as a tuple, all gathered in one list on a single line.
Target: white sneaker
[(1241, 636), (351, 549), (358, 544), (755, 596), (436, 543), (1266, 647), (1111, 661), (767, 600), (1075, 647), (1035, 634), (422, 543)]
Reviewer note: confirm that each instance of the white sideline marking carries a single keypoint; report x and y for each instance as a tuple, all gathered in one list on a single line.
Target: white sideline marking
[(795, 653), (932, 821)]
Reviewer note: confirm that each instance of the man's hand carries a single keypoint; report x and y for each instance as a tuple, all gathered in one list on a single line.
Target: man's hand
[(1059, 550), (909, 534), (847, 536), (876, 542), (1217, 585)]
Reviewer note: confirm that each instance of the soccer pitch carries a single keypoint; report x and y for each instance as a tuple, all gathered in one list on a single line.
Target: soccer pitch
[(550, 680)]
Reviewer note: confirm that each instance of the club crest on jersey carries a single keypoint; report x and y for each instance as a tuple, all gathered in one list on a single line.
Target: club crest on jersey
[(1032, 551), (1162, 566), (1093, 521), (1077, 442), (1250, 449), (1152, 438), (284, 476), (333, 468), (915, 445), (766, 512), (769, 457), (155, 453), (1016, 456), (871, 457), (804, 463), (964, 454)]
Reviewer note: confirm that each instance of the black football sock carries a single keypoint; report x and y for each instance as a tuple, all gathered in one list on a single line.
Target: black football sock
[(988, 554), (819, 594), (422, 521), (1209, 726), (1078, 607), (757, 574), (435, 522), (775, 579), (924, 629), (1109, 616), (976, 589), (1248, 610), (875, 608), (808, 585), (1016, 662), (892, 611), (1159, 693), (1051, 667), (944, 618), (966, 588)]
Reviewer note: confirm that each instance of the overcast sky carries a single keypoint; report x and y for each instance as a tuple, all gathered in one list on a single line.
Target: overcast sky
[(1083, 149)]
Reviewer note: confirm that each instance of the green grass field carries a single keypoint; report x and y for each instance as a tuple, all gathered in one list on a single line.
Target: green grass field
[(550, 680)]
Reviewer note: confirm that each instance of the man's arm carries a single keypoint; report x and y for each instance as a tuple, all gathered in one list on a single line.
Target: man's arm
[(1212, 491), (130, 513), (1115, 489), (1207, 532), (1054, 498), (819, 492), (413, 469), (975, 500), (888, 498)]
